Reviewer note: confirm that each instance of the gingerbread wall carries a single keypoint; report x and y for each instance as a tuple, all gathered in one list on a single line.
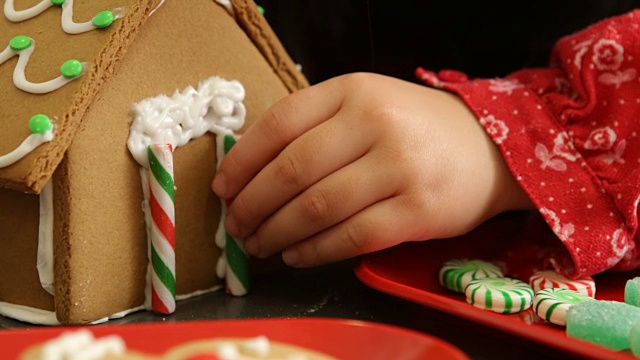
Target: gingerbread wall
[(101, 252)]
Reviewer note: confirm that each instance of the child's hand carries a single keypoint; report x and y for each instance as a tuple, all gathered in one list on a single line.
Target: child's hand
[(360, 163)]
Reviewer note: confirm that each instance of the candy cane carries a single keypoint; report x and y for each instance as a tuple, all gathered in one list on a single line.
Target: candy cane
[(162, 247)]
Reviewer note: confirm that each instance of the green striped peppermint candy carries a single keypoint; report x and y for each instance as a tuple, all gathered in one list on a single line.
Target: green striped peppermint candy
[(456, 274), (552, 304), (501, 295)]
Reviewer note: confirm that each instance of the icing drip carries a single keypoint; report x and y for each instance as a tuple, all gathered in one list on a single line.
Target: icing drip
[(19, 78), (66, 19), (215, 106), (30, 143), (45, 239), (227, 5), (81, 344)]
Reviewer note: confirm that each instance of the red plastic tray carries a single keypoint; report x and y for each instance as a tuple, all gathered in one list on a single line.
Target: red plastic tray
[(344, 339), (410, 271)]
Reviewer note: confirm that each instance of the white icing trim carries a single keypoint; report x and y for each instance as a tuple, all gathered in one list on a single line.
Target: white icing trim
[(198, 293), (19, 78), (157, 7), (227, 5), (28, 314), (66, 18), (44, 317), (45, 239), (30, 143), (215, 106)]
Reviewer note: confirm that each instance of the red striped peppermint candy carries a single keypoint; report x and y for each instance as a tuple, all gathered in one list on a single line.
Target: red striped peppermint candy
[(550, 279)]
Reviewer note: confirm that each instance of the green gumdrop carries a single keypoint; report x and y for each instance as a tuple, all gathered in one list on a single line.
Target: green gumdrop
[(57, 2), (634, 339), (71, 68), (261, 9), (606, 323), (39, 124), (632, 292), (103, 19), (19, 42)]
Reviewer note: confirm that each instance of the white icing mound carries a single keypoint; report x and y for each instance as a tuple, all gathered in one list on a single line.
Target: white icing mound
[(215, 106), (83, 345)]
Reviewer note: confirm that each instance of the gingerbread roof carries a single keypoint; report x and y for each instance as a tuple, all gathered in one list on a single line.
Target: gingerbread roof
[(101, 50)]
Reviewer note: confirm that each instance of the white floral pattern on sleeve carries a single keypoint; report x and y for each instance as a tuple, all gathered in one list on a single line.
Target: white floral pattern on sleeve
[(497, 129), (563, 231), (505, 85), (608, 55)]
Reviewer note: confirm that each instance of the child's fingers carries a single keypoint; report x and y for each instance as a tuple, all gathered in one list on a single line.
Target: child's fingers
[(380, 226), (328, 202), (308, 159), (282, 123)]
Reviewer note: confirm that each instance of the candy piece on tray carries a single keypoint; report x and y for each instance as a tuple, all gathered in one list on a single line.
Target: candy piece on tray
[(501, 295), (456, 274), (632, 292), (552, 304), (634, 340), (607, 323), (550, 279)]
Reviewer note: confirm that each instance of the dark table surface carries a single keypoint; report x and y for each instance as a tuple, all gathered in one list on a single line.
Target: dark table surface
[(334, 291)]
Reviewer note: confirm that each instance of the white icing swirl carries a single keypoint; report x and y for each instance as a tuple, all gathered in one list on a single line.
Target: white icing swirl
[(20, 15), (66, 19), (19, 78), (215, 106)]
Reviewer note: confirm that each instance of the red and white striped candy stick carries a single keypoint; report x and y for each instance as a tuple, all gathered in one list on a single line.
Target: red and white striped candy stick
[(162, 248)]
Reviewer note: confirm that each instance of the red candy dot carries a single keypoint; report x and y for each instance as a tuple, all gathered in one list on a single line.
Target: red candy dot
[(203, 357)]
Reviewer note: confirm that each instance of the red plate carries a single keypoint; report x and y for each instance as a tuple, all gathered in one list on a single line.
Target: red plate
[(410, 271), (344, 339)]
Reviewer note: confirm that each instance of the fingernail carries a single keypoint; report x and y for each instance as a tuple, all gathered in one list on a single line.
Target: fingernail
[(291, 257), (252, 246), (220, 185)]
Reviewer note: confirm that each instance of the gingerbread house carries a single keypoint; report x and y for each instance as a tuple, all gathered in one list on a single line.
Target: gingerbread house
[(73, 234)]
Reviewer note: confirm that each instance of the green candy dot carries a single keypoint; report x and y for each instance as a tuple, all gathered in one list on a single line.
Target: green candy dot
[(103, 19), (71, 68), (261, 9), (57, 2), (20, 42), (39, 124)]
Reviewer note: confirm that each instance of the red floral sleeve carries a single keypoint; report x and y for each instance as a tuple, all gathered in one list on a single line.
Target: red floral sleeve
[(570, 135)]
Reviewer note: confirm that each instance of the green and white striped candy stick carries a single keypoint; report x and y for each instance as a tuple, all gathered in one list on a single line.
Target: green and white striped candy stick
[(552, 304), (456, 274), (235, 257), (501, 295)]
